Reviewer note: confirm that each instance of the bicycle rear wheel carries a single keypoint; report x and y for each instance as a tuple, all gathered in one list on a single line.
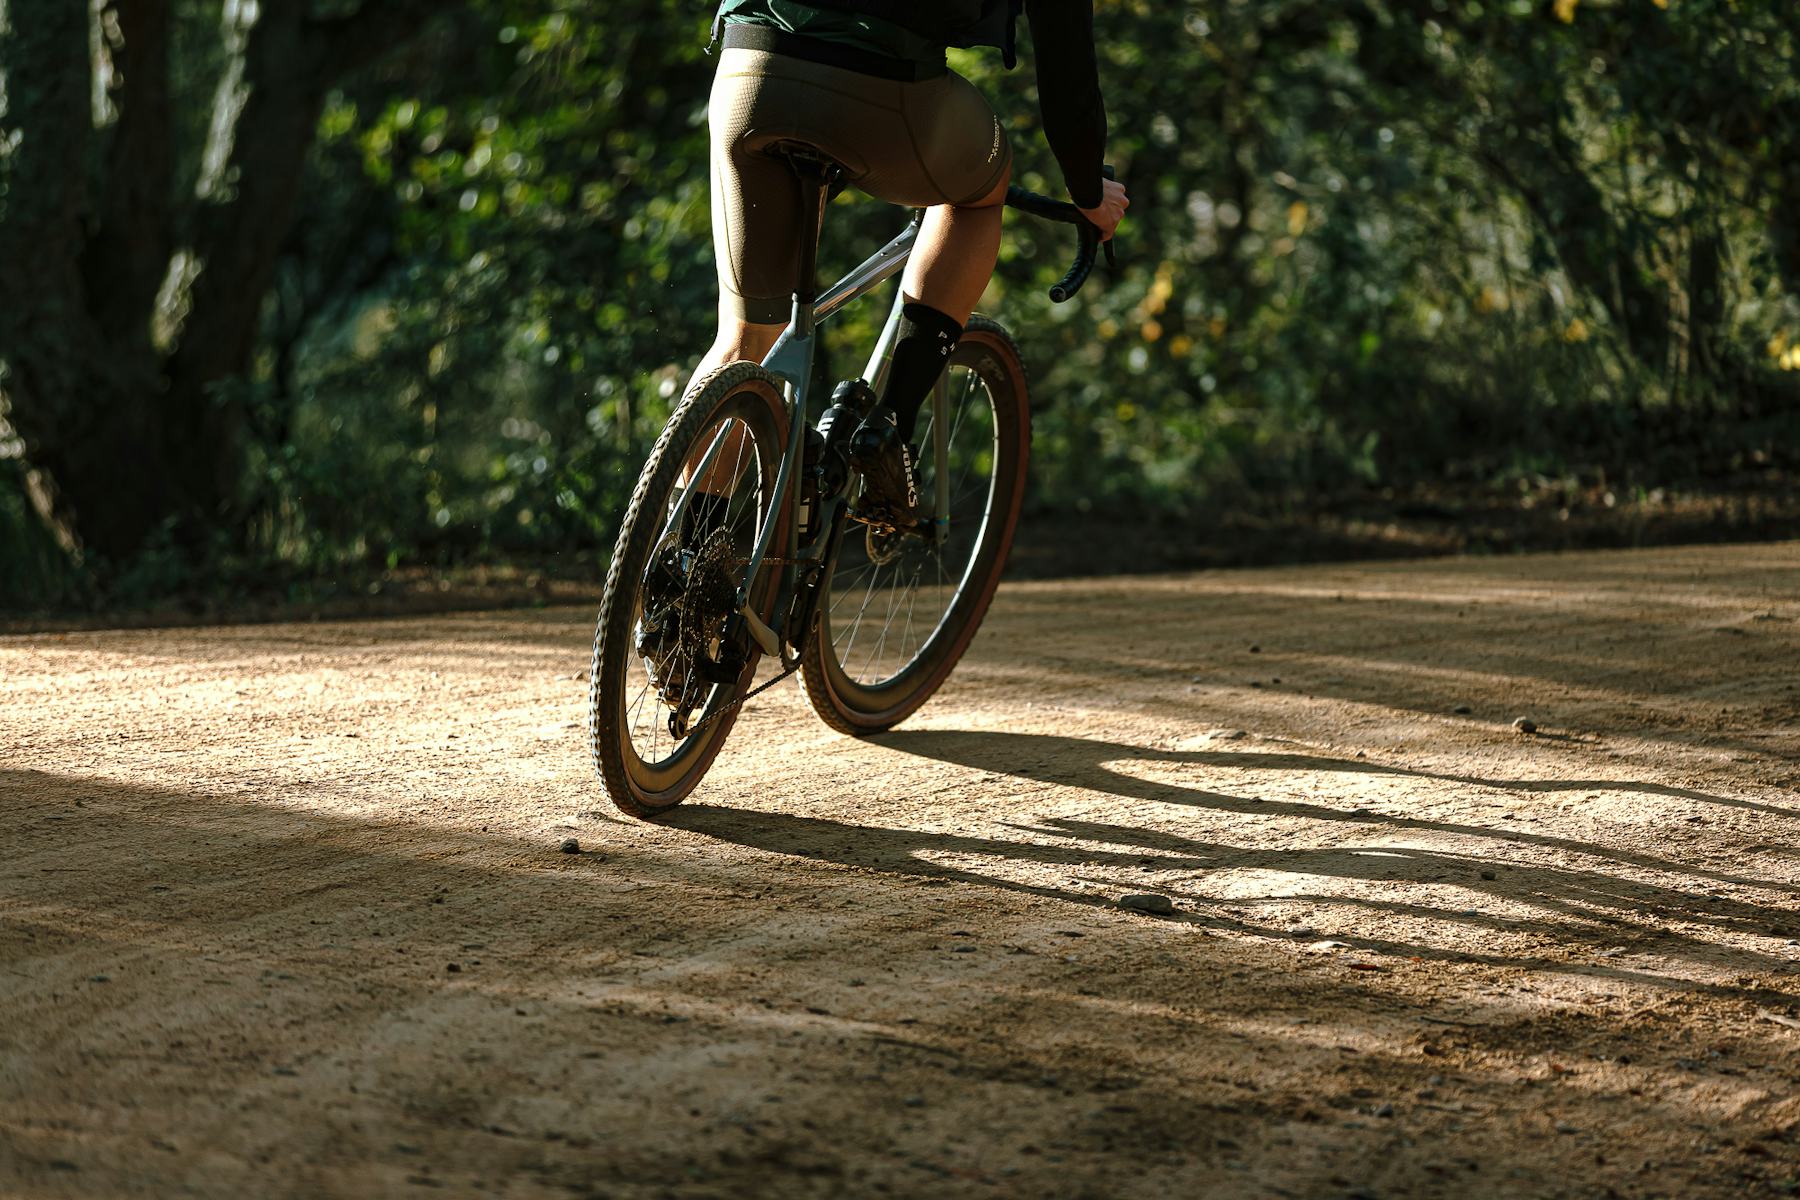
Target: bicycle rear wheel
[(899, 610), (669, 667)]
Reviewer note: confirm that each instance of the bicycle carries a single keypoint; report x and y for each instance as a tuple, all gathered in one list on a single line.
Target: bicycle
[(747, 534)]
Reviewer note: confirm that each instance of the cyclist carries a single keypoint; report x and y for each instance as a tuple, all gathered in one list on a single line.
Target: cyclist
[(865, 82)]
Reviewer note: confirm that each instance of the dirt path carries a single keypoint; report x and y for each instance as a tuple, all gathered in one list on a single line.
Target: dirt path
[(282, 911)]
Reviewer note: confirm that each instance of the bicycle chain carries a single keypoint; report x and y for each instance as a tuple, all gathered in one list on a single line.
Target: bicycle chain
[(755, 691), (763, 687)]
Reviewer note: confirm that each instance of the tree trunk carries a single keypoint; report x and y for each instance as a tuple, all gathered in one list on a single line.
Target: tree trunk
[(127, 433), (77, 403)]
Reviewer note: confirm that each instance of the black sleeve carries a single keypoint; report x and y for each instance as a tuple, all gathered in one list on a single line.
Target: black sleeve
[(1062, 39)]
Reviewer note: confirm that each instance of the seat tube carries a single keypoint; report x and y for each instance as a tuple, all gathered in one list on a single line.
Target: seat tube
[(940, 447), (882, 357), (814, 182)]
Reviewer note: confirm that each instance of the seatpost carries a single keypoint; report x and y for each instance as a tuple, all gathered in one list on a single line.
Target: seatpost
[(815, 181)]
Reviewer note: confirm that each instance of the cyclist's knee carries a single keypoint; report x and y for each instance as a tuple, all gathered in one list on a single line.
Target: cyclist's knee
[(738, 338), (997, 194)]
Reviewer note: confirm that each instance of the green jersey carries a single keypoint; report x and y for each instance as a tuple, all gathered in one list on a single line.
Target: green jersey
[(869, 35)]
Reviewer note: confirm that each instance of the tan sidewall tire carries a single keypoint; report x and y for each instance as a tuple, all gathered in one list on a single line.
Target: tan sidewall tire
[(755, 396), (828, 689)]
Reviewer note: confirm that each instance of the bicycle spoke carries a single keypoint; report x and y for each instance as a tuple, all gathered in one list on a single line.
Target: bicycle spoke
[(726, 498), (856, 625), (902, 603)]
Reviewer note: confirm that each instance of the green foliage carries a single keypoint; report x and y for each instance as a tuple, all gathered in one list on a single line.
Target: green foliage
[(1371, 244), (546, 279), (34, 572)]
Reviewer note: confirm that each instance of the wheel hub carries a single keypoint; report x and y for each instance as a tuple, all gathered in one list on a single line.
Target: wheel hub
[(688, 597)]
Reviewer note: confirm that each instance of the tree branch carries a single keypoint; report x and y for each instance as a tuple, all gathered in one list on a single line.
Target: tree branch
[(349, 43), (128, 254)]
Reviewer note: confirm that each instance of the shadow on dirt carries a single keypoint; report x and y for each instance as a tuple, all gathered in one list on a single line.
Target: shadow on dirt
[(1588, 911)]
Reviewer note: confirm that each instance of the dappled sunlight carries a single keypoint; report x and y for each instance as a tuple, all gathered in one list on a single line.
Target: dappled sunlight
[(261, 868)]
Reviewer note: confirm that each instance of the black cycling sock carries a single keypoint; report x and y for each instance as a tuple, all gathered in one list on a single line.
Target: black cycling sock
[(926, 339)]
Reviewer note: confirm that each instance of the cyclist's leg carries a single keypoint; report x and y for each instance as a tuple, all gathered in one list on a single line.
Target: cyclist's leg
[(933, 143), (954, 257), (949, 269), (961, 147), (755, 211), (737, 339)]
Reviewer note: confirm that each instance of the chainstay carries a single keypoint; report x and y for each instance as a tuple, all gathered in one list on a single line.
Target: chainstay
[(758, 690)]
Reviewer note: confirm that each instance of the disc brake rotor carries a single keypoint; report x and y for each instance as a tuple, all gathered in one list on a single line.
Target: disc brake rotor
[(687, 599)]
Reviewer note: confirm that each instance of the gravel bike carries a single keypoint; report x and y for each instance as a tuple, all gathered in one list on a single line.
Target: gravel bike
[(747, 534)]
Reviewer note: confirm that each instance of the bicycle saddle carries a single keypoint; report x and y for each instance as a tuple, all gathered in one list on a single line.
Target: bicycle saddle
[(810, 163)]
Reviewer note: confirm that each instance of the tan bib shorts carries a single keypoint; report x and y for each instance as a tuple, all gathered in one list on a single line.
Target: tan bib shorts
[(934, 141)]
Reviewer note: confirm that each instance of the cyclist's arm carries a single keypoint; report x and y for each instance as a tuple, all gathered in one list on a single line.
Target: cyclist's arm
[(1062, 39)]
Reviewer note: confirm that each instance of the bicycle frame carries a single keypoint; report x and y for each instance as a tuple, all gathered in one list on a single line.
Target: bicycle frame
[(791, 361)]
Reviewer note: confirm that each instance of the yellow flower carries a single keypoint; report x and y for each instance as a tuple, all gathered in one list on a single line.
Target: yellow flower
[(1565, 11), (1296, 218)]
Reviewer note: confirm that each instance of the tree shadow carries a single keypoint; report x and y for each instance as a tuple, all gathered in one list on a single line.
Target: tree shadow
[(1584, 909), (1083, 761)]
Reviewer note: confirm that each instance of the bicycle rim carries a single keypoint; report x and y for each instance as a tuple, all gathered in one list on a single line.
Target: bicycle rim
[(678, 578), (900, 611)]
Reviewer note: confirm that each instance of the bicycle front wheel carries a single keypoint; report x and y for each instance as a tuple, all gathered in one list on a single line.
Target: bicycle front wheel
[(899, 610), (671, 659)]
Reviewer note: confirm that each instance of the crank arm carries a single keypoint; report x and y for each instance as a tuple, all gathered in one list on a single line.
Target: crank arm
[(761, 634)]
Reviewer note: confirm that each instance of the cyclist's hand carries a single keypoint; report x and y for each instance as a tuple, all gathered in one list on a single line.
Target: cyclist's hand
[(1113, 203)]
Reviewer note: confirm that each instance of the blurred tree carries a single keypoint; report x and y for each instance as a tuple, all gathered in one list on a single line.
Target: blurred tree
[(135, 261), (437, 306)]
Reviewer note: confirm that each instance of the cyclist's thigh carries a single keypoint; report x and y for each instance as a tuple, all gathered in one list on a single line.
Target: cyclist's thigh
[(955, 151), (935, 141), (755, 198), (932, 142)]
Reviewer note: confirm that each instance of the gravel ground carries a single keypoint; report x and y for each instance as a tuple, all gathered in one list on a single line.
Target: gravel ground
[(289, 910)]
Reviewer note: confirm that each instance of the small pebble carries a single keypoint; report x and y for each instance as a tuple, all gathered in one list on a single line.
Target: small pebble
[(453, 968), (1489, 875), (1565, 1127), (1525, 725), (914, 1102), (571, 846), (1300, 931), (1148, 902), (1462, 710), (1386, 1110)]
